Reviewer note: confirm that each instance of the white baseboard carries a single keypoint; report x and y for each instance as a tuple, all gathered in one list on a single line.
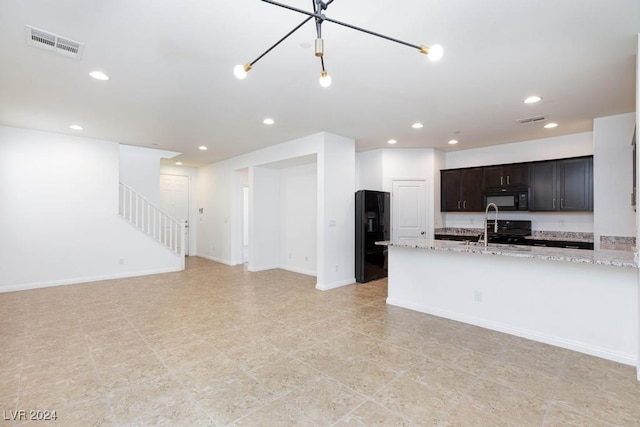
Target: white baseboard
[(261, 268), (86, 279), (593, 350), (214, 259), (334, 285), (298, 270)]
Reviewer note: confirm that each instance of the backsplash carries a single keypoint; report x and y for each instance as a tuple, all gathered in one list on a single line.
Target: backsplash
[(619, 243), (568, 236), (459, 231)]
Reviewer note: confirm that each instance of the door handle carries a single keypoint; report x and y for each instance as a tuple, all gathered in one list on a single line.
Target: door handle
[(422, 232)]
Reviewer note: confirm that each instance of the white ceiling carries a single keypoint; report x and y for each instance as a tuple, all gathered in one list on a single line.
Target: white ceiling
[(172, 85)]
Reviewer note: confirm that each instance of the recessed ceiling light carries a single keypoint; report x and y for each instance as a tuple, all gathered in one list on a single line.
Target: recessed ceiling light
[(551, 125), (202, 148), (392, 141), (179, 163), (99, 75), (453, 141), (417, 125), (532, 99), (268, 121), (76, 127)]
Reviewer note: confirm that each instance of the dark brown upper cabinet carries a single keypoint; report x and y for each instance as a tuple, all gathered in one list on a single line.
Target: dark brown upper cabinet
[(554, 185), (501, 176), (461, 190), (562, 185)]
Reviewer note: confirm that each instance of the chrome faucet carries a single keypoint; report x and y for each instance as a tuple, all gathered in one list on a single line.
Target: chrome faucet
[(486, 219)]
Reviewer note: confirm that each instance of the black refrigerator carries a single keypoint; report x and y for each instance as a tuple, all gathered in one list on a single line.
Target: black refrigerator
[(373, 209)]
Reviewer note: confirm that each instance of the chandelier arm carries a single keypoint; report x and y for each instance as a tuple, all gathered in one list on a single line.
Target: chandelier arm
[(353, 27), (281, 40), (295, 9)]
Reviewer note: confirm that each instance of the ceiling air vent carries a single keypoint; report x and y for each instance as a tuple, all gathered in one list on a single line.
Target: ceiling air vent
[(54, 43), (530, 120)]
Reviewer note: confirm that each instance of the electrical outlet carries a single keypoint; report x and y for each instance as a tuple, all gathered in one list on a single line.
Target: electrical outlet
[(121, 261), (337, 268), (477, 296)]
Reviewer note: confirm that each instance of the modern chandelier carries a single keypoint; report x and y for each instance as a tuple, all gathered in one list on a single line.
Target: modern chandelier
[(434, 52)]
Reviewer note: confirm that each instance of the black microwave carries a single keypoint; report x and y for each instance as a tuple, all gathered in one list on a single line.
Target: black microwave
[(508, 199)]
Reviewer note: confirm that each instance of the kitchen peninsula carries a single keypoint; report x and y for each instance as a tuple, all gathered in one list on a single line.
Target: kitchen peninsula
[(582, 300)]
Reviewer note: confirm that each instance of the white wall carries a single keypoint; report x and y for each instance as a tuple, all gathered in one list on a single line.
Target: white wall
[(218, 184), (336, 212), (298, 218), (377, 169), (369, 166), (613, 173), (579, 144), (60, 214), (574, 145), (439, 161), (220, 196), (140, 170), (264, 218), (638, 185), (584, 307)]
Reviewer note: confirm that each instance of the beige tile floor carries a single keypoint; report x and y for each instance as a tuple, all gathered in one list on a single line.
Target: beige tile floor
[(217, 345)]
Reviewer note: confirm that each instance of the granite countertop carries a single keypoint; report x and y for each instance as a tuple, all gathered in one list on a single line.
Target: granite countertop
[(601, 257), (565, 236)]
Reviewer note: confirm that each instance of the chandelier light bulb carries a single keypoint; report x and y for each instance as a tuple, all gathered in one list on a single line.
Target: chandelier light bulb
[(240, 71), (435, 52), (325, 79)]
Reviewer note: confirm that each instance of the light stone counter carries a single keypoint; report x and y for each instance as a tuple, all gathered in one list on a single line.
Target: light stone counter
[(601, 257)]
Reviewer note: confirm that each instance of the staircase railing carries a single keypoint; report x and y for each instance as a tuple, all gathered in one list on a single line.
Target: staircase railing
[(148, 218)]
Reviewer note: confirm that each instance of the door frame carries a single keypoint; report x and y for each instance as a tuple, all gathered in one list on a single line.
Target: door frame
[(188, 231), (429, 194)]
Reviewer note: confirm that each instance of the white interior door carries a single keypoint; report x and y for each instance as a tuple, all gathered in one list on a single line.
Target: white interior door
[(409, 209), (174, 200)]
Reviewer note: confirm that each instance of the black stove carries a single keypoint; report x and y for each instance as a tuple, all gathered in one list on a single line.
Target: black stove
[(512, 232)]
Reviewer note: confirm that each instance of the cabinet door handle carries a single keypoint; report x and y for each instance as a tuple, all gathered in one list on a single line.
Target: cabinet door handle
[(501, 182), (508, 180), (458, 204), (562, 203), (464, 205), (554, 203)]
